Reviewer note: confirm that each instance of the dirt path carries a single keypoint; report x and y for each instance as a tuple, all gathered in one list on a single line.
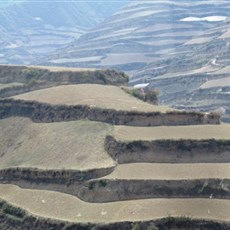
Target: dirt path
[(145, 171), (65, 207), (197, 132)]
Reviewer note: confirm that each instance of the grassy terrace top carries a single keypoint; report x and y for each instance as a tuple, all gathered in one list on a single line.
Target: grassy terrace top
[(56, 205), (198, 132), (75, 145), (93, 95), (79, 145), (52, 68), (216, 83), (156, 171)]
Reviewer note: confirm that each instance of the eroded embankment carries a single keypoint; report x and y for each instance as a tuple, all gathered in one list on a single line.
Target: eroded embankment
[(108, 190), (15, 218), (25, 74), (64, 177), (169, 151), (34, 78), (41, 112)]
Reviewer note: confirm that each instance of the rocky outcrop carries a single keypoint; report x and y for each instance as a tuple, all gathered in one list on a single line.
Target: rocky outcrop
[(41, 112)]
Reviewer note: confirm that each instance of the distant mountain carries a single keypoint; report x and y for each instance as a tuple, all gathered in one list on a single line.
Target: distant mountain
[(141, 33), (196, 75), (36, 28)]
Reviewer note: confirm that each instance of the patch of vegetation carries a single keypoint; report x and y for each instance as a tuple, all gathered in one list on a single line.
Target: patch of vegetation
[(102, 183), (102, 76), (32, 74), (180, 221), (91, 186), (136, 226), (146, 94), (12, 211), (152, 227), (185, 146)]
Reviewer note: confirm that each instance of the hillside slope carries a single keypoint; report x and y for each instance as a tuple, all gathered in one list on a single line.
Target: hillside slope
[(195, 75), (87, 156), (38, 27), (140, 33)]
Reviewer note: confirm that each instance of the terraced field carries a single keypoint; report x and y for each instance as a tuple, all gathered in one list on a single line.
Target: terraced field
[(199, 132), (75, 145), (65, 168), (93, 95), (148, 171), (64, 207)]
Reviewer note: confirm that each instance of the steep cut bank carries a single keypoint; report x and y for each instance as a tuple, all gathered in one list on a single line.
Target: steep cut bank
[(21, 79), (41, 112), (169, 151)]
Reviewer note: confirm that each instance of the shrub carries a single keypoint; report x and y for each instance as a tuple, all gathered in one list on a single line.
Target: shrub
[(152, 227), (136, 227), (147, 94), (102, 183), (13, 211)]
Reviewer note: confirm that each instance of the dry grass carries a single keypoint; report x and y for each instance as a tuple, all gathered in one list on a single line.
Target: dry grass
[(145, 171), (65, 207), (216, 83), (62, 69), (54, 68), (109, 97), (63, 145), (9, 85), (198, 132)]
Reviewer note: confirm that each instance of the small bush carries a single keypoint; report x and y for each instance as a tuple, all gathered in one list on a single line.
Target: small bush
[(102, 183), (32, 74), (13, 211), (136, 227), (152, 227), (146, 94)]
